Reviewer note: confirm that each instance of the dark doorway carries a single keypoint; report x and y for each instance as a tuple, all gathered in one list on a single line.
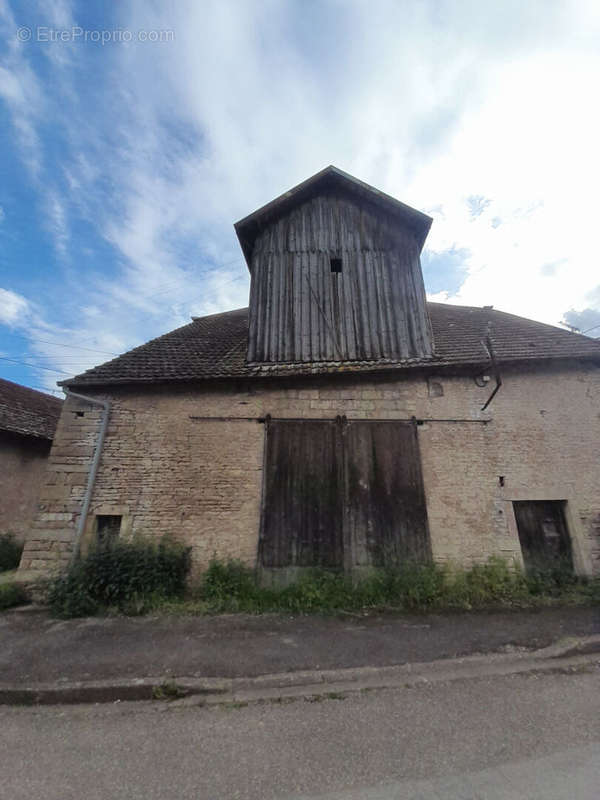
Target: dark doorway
[(342, 494), (108, 529), (543, 534)]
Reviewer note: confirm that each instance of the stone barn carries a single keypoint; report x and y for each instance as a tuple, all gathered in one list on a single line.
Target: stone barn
[(27, 423), (341, 420)]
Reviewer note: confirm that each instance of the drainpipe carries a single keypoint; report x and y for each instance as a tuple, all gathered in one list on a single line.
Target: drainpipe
[(93, 469), (487, 343)]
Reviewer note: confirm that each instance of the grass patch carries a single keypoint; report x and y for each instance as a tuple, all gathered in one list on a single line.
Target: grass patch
[(11, 595), (131, 577), (168, 690), (10, 552)]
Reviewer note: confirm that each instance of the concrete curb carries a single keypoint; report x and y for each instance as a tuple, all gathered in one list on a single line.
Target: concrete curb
[(568, 655)]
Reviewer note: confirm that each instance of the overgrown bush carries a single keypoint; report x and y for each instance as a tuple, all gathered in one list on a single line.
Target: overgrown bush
[(495, 583), (10, 552), (11, 594), (128, 576)]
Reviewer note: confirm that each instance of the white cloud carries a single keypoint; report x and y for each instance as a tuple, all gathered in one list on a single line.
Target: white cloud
[(479, 112), (458, 102), (56, 221), (541, 175), (13, 307)]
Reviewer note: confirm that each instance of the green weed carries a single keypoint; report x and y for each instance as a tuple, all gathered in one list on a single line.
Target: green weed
[(11, 595), (168, 690), (233, 587)]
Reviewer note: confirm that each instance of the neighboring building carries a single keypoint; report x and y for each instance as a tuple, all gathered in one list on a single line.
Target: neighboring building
[(341, 420), (27, 423)]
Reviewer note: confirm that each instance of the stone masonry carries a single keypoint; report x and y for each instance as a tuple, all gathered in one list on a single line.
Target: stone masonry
[(187, 461), (23, 464)]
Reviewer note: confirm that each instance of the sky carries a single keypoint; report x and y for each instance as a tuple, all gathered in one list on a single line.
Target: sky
[(134, 134)]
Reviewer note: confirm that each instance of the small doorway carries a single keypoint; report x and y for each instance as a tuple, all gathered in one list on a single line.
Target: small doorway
[(543, 534)]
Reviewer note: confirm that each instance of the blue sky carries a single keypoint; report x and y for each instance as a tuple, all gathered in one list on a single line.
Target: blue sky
[(124, 163)]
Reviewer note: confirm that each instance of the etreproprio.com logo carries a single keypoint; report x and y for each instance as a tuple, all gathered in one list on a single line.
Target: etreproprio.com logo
[(94, 35)]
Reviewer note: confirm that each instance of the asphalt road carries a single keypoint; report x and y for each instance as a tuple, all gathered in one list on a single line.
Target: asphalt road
[(533, 737), (35, 647)]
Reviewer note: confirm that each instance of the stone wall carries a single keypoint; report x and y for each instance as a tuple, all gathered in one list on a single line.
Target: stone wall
[(187, 461), (53, 530), (22, 467)]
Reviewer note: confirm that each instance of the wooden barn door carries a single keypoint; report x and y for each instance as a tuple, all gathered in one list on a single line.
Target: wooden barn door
[(302, 512), (342, 495), (543, 534), (386, 516)]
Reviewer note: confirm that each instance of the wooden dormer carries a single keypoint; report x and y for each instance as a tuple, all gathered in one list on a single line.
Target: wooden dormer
[(336, 275)]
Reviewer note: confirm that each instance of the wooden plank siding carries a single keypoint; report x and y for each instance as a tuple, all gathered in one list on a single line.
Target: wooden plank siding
[(301, 311), (342, 494)]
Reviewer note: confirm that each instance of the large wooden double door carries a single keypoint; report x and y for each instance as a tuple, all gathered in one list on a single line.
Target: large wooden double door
[(342, 494)]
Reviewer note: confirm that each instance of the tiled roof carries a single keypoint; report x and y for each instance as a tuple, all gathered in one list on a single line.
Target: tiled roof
[(28, 412), (215, 347)]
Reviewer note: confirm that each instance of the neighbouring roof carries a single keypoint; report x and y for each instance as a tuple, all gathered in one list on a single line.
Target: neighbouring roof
[(215, 347), (25, 411), (330, 178)]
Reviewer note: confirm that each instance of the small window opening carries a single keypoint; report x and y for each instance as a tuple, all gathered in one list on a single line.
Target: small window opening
[(79, 413), (501, 480), (109, 527), (435, 388), (335, 264)]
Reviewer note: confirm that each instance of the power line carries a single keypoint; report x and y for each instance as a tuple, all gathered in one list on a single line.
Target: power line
[(35, 366), (49, 360), (71, 346), (70, 364), (215, 290), (46, 389), (75, 366), (64, 344), (182, 282), (591, 329), (75, 347)]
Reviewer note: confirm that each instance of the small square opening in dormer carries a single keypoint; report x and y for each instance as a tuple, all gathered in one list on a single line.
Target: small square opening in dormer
[(335, 264)]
